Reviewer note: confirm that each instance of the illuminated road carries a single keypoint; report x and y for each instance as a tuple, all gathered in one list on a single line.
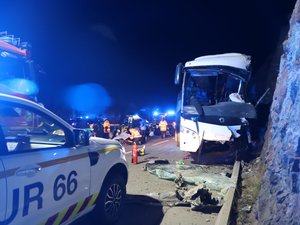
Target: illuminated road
[(143, 210)]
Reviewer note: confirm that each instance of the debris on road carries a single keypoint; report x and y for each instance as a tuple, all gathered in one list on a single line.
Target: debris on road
[(191, 174), (247, 208), (179, 181), (198, 187), (198, 198)]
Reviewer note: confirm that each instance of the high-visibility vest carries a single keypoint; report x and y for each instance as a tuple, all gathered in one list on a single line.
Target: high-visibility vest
[(163, 125), (106, 126), (134, 133)]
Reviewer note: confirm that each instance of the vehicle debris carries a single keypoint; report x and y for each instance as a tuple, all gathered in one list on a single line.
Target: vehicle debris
[(247, 208), (179, 181), (198, 198), (192, 175)]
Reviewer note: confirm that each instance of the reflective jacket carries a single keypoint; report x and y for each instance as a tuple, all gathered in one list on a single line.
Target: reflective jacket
[(134, 133), (163, 125), (106, 126)]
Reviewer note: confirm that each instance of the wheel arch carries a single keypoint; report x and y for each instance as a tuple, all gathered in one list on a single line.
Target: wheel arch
[(118, 168)]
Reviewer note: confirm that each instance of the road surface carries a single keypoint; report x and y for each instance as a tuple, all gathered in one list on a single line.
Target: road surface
[(140, 209)]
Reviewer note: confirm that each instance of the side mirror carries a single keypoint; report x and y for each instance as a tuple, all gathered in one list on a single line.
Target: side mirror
[(82, 137), (178, 73)]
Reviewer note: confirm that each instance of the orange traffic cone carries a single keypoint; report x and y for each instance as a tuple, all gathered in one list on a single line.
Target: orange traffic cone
[(134, 154)]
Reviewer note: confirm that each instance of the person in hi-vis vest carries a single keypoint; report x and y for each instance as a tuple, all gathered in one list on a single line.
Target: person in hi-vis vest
[(163, 127)]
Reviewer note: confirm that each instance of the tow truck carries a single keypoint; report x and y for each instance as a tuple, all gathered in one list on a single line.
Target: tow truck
[(212, 107)]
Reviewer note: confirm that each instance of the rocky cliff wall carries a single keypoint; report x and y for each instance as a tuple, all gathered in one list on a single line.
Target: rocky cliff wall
[(279, 199)]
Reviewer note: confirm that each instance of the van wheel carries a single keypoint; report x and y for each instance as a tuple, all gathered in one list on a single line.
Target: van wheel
[(111, 200)]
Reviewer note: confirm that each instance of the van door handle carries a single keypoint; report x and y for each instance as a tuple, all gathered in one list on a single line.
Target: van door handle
[(28, 171)]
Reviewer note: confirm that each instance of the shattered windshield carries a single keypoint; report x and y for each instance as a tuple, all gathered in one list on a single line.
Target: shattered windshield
[(209, 89)]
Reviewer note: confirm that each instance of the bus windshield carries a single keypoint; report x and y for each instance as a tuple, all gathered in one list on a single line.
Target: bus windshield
[(209, 89)]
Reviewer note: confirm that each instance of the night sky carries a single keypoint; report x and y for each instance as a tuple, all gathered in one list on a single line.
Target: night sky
[(131, 48)]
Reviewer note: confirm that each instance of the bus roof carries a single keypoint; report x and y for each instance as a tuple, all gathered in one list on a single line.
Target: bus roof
[(235, 60)]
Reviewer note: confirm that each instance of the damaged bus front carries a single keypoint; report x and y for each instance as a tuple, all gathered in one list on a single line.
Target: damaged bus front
[(212, 104)]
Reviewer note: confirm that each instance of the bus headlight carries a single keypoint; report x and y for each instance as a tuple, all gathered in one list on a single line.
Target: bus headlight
[(189, 132)]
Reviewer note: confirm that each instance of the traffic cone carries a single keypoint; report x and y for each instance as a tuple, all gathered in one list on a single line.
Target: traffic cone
[(134, 159)]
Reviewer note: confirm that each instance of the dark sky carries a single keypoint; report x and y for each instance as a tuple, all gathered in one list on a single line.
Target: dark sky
[(131, 48)]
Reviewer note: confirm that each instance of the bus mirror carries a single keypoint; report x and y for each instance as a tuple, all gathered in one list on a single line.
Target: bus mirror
[(178, 73)]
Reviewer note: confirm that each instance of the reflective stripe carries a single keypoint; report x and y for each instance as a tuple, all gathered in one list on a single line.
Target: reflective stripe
[(72, 211), (12, 172), (68, 214), (85, 203), (51, 220), (76, 210), (60, 217), (93, 199), (108, 149)]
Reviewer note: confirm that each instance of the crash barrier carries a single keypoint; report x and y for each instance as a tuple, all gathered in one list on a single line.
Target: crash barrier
[(223, 217)]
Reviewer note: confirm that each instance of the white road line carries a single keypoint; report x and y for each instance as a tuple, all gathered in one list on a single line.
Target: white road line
[(128, 153), (161, 142)]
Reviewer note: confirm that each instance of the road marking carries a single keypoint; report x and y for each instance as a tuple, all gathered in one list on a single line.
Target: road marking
[(161, 142), (126, 153)]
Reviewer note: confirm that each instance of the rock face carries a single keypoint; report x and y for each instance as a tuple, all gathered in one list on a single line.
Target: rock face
[(279, 199)]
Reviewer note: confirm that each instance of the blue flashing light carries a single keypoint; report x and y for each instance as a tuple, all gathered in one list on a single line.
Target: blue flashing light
[(155, 113), (87, 117), (88, 98), (21, 86), (171, 112)]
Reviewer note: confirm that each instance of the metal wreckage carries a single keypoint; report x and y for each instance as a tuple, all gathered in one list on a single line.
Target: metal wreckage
[(212, 106), (199, 187)]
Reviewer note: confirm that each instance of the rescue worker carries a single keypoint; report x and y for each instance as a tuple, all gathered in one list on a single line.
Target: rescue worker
[(144, 131), (163, 127), (106, 129), (135, 135), (143, 127)]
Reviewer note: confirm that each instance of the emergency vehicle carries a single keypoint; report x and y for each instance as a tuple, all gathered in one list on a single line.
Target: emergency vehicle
[(212, 107), (52, 173), (17, 69)]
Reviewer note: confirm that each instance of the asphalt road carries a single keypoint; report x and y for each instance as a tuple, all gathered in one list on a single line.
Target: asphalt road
[(140, 209)]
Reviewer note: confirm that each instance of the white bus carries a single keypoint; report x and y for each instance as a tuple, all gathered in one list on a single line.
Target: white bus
[(211, 107)]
